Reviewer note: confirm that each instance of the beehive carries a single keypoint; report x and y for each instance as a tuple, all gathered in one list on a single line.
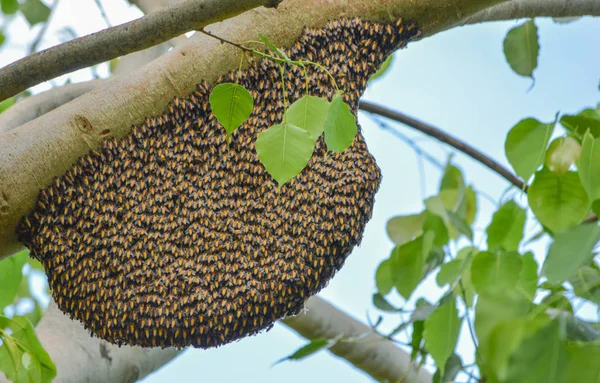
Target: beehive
[(169, 237)]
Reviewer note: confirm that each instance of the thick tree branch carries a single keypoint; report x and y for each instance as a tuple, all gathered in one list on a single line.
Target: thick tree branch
[(444, 137), (113, 42), (34, 106)]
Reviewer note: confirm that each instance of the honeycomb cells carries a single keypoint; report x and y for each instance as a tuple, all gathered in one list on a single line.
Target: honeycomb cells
[(170, 237)]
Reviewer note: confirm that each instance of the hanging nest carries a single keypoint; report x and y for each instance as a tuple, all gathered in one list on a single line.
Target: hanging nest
[(172, 237)]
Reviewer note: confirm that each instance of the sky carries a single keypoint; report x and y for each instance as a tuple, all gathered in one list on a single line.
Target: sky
[(458, 81)]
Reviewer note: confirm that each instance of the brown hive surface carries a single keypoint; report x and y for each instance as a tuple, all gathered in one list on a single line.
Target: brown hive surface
[(170, 237)]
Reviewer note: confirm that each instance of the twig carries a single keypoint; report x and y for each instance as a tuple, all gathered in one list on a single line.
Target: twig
[(103, 12), (454, 142), (42, 31), (446, 138), (117, 41)]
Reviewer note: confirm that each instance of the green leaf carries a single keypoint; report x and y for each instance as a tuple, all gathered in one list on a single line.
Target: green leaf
[(582, 122), (596, 207), (308, 113), (383, 277), (11, 275), (272, 47), (495, 271), (496, 306), (24, 335), (416, 338), (10, 357), (449, 272), (558, 201), (7, 104), (314, 346), (451, 369), (436, 206), (506, 229), (441, 333), (589, 166), (35, 11), (9, 7), (541, 357), (583, 366), (340, 126), (435, 224), (502, 342), (408, 263), (385, 66), (284, 150), (570, 250), (528, 280), (452, 178), (382, 304), (461, 225), (521, 48), (2, 38), (467, 254), (562, 153), (404, 228), (526, 144), (586, 284), (232, 105)]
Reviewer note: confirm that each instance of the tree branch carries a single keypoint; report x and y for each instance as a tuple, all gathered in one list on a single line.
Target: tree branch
[(446, 138), (34, 106), (518, 9), (113, 42), (379, 358)]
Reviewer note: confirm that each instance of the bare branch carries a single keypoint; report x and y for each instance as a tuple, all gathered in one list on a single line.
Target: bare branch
[(113, 42), (446, 138), (379, 358), (517, 9)]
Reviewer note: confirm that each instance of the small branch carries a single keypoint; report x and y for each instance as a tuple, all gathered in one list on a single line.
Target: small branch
[(113, 42), (103, 12), (454, 142), (446, 138), (42, 31)]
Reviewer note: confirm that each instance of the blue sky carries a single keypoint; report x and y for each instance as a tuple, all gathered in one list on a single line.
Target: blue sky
[(457, 80)]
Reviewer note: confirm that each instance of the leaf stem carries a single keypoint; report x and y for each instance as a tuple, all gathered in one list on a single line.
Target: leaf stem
[(282, 71)]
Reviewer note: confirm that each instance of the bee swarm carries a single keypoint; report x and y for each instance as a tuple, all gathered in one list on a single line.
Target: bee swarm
[(170, 237)]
